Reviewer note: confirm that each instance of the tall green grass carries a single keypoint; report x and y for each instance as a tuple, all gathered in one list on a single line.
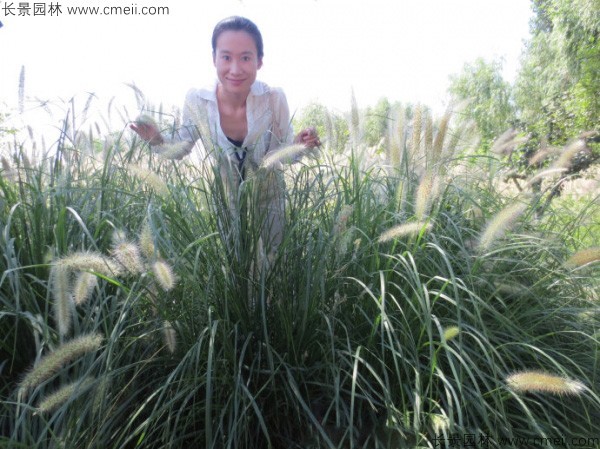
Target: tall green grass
[(399, 310)]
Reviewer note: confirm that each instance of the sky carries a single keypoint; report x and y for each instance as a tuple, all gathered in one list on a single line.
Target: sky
[(316, 50)]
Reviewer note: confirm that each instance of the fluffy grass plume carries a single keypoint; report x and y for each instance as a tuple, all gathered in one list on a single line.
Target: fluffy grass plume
[(89, 261), (354, 118), (60, 284), (416, 132), (540, 382), (565, 158), (504, 144), (63, 355), (439, 423), (169, 336), (540, 156), (146, 241), (584, 257), (164, 275), (128, 255), (118, 236), (428, 136), (60, 396), (425, 195), (149, 178), (438, 142), (85, 283), (544, 174), (8, 172), (176, 150), (285, 155), (451, 332), (341, 222), (500, 224), (403, 230)]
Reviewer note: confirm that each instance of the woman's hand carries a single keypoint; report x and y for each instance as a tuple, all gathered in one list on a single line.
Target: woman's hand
[(147, 130), (308, 137)]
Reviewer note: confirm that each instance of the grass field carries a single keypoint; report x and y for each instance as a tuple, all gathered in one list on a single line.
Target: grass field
[(411, 304)]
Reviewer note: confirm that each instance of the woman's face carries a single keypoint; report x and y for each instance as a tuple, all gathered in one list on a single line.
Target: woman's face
[(236, 61)]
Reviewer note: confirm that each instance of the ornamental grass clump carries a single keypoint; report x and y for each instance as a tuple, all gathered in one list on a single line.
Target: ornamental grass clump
[(541, 382), (63, 355), (382, 346)]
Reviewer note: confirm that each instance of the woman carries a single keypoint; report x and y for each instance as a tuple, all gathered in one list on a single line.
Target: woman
[(238, 118)]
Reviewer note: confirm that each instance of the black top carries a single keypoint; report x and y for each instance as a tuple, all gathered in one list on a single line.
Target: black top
[(237, 143)]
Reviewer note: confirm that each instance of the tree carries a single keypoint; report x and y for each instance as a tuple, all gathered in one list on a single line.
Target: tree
[(332, 127), (488, 96), (557, 87), (376, 121)]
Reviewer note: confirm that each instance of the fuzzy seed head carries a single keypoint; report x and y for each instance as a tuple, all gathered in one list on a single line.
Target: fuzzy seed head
[(63, 355), (564, 160), (118, 236), (88, 261), (62, 395), (416, 134), (500, 224), (544, 174), (128, 255), (6, 165), (287, 154), (425, 195), (341, 222), (584, 257), (149, 178), (60, 284), (440, 423), (403, 230), (438, 142), (540, 156), (164, 275), (85, 283), (451, 332), (146, 241), (170, 336), (504, 143), (428, 137), (175, 150), (537, 381)]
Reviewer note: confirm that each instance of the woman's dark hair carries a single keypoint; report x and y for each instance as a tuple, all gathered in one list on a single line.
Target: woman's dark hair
[(237, 23)]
